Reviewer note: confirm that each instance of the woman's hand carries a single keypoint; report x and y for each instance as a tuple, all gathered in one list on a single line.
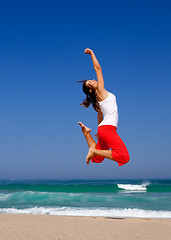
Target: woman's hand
[(88, 51)]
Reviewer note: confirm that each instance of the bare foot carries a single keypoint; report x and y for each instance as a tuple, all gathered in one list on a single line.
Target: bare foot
[(84, 128), (90, 155)]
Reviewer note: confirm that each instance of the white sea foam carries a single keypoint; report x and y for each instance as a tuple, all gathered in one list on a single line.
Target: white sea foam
[(4, 196), (102, 212), (133, 187)]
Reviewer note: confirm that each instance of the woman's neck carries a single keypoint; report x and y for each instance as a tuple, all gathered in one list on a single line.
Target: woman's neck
[(98, 97)]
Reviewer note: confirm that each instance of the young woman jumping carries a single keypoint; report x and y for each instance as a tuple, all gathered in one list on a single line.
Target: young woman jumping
[(104, 103)]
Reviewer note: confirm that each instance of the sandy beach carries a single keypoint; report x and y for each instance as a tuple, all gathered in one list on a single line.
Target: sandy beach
[(46, 227)]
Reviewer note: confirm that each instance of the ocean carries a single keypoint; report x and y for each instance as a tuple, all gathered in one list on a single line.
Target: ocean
[(108, 198)]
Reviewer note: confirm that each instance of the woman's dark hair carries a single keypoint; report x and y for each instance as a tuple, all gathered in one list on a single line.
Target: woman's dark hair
[(90, 97)]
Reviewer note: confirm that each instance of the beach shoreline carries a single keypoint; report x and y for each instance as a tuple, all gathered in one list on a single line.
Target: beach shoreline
[(54, 227)]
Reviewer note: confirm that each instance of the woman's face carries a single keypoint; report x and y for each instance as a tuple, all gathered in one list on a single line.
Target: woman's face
[(92, 84)]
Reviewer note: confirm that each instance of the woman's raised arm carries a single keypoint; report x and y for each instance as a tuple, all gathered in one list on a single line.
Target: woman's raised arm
[(98, 70)]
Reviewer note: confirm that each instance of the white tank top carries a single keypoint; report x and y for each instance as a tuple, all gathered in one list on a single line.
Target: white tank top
[(110, 111)]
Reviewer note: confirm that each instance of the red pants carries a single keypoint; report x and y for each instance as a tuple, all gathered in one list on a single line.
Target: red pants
[(108, 138)]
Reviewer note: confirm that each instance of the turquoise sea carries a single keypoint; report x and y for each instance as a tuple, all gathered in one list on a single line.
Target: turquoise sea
[(109, 198)]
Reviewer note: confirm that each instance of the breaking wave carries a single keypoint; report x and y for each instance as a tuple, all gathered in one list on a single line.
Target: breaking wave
[(98, 212), (133, 187)]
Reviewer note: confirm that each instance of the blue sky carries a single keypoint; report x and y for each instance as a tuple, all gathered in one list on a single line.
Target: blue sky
[(42, 57)]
